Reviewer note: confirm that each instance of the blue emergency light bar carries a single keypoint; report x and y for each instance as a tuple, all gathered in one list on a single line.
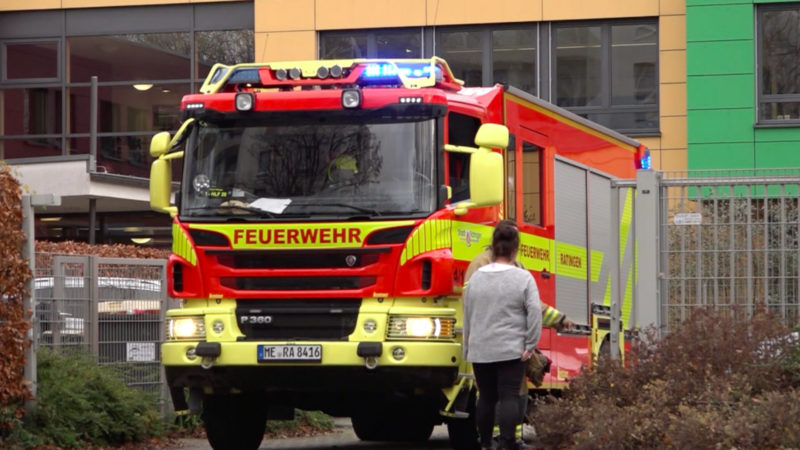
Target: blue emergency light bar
[(412, 70)]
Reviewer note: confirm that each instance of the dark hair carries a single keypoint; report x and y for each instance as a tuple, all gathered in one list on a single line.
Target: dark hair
[(505, 239)]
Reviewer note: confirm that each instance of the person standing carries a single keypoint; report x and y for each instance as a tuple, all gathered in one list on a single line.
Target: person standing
[(551, 318), (502, 326)]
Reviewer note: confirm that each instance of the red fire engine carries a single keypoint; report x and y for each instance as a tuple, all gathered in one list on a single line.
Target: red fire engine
[(326, 215)]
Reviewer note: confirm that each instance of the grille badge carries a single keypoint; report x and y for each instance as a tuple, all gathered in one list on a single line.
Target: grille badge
[(350, 260)]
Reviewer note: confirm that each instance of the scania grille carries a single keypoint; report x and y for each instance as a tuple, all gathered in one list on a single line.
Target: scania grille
[(297, 319), (297, 283), (299, 259)]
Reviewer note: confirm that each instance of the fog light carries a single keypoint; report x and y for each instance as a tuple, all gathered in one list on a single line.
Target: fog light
[(218, 326), (294, 73), (323, 72), (336, 71), (351, 98), (191, 354), (398, 353), (244, 101), (370, 326), (191, 328), (280, 74)]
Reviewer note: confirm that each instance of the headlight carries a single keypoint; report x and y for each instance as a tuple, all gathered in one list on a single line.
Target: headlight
[(421, 327), (186, 328), (244, 101), (351, 98)]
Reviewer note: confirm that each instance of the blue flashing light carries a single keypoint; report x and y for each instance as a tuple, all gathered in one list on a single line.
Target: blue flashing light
[(646, 162), (383, 70)]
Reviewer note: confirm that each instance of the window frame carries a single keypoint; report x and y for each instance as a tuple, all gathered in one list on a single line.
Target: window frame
[(606, 106), (372, 41), (11, 82), (761, 97)]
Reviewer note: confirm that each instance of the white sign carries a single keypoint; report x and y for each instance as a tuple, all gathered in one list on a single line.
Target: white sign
[(141, 351), (687, 219)]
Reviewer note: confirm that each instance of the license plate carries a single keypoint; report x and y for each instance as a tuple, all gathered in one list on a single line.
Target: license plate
[(270, 353)]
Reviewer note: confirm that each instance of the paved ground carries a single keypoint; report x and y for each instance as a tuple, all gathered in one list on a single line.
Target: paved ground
[(342, 439)]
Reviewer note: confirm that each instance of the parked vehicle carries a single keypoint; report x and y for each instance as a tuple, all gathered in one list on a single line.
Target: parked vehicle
[(326, 217)]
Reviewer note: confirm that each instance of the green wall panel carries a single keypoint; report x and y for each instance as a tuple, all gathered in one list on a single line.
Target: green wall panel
[(720, 91), (784, 134), (715, 156), (720, 57), (720, 125), (719, 22), (777, 154)]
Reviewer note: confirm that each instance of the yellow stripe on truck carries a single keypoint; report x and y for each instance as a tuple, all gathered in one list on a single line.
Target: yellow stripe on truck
[(298, 236), (430, 235)]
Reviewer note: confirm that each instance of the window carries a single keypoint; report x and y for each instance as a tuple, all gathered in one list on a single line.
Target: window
[(29, 61), (463, 51), (511, 177), (778, 36), (531, 183), (389, 43), (508, 54), (461, 131), (226, 47), (607, 72), (130, 57), (514, 58)]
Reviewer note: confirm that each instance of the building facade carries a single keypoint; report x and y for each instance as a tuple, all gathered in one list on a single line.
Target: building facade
[(85, 83), (743, 84)]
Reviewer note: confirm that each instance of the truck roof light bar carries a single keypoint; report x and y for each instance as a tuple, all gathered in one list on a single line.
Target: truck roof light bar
[(342, 73)]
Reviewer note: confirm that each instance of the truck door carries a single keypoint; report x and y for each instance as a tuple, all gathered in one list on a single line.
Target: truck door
[(526, 203)]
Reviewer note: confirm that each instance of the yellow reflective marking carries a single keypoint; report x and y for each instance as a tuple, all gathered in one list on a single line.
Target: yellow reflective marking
[(181, 245), (624, 230), (470, 239), (536, 253), (571, 260), (430, 235), (627, 299), (296, 236)]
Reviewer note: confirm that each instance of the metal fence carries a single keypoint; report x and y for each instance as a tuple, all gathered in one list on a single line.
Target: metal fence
[(727, 240), (112, 308)]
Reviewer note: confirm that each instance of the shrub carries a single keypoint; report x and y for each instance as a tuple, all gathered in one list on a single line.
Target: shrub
[(14, 323), (717, 380), (80, 403)]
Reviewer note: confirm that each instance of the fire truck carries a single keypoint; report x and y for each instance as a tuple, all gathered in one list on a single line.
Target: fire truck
[(325, 218)]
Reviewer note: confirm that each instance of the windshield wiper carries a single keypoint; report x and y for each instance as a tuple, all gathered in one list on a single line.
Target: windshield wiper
[(374, 212), (242, 207)]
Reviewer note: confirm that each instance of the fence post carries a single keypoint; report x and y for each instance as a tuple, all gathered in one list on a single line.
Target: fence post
[(29, 252), (647, 234)]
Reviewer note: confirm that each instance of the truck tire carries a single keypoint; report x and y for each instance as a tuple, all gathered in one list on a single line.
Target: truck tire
[(234, 422), (463, 433)]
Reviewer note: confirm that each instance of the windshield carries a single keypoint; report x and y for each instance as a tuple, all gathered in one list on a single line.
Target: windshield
[(311, 169)]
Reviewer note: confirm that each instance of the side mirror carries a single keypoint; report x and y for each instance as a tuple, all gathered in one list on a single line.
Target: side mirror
[(492, 135), (160, 144), (486, 168), (161, 185), (161, 169)]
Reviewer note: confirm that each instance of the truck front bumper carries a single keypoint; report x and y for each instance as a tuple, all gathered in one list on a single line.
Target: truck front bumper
[(406, 364)]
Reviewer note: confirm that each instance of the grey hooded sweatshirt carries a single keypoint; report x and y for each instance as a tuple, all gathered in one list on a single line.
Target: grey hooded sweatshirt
[(502, 314)]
